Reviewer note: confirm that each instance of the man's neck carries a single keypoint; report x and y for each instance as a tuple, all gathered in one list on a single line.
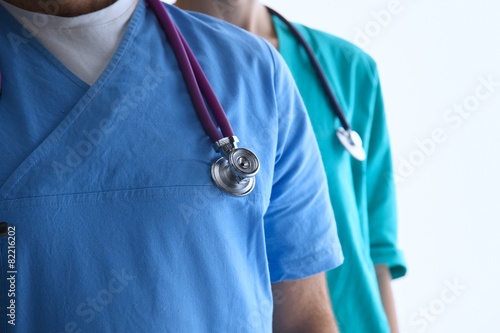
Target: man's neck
[(250, 15), (66, 8)]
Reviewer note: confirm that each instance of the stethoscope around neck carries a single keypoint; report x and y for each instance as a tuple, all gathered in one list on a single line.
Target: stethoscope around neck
[(235, 170), (348, 138)]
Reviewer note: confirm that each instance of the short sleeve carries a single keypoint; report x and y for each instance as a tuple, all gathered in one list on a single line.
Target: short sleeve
[(381, 194), (301, 235)]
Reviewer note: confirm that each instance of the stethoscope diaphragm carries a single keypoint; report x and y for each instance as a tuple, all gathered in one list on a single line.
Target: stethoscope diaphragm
[(234, 173), (225, 179), (244, 162), (352, 143)]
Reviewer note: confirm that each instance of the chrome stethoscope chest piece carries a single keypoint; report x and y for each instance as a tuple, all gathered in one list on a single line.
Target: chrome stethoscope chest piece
[(225, 179), (244, 162), (352, 143), (234, 173)]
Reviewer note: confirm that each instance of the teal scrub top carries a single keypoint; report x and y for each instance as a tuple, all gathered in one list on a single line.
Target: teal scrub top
[(116, 225), (362, 193)]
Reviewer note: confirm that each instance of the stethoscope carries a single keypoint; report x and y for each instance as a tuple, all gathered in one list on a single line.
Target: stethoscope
[(348, 138), (234, 171)]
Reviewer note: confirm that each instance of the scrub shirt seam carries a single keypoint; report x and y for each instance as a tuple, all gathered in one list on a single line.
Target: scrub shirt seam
[(384, 250), (76, 116), (276, 22), (269, 48), (59, 65), (390, 255), (274, 76), (38, 46), (276, 148), (375, 86), (323, 249), (327, 254), (107, 199), (379, 252)]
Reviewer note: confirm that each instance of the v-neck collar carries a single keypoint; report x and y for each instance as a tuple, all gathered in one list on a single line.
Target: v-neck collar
[(82, 104), (20, 32), (285, 37), (276, 23)]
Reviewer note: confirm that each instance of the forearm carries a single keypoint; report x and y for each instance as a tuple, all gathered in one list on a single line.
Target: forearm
[(384, 284), (318, 325), (322, 321), (302, 306)]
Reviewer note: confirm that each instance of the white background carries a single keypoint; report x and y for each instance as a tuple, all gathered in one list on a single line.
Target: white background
[(431, 55)]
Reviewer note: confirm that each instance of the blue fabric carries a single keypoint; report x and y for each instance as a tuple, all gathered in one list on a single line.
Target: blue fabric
[(119, 227)]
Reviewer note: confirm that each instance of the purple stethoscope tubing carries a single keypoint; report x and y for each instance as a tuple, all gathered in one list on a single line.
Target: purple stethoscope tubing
[(196, 81), (234, 173)]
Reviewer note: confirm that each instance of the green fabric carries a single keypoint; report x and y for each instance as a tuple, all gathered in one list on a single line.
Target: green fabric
[(362, 193)]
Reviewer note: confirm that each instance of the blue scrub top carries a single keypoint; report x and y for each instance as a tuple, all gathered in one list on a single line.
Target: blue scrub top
[(118, 226)]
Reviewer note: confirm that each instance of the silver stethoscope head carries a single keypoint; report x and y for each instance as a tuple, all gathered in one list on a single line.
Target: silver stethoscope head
[(352, 143), (225, 179), (234, 172), (244, 162)]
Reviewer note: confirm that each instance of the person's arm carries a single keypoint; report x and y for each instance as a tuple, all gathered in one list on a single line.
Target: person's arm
[(300, 230), (303, 306), (382, 213), (384, 279)]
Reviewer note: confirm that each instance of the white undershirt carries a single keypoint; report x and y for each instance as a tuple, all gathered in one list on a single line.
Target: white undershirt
[(84, 44)]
